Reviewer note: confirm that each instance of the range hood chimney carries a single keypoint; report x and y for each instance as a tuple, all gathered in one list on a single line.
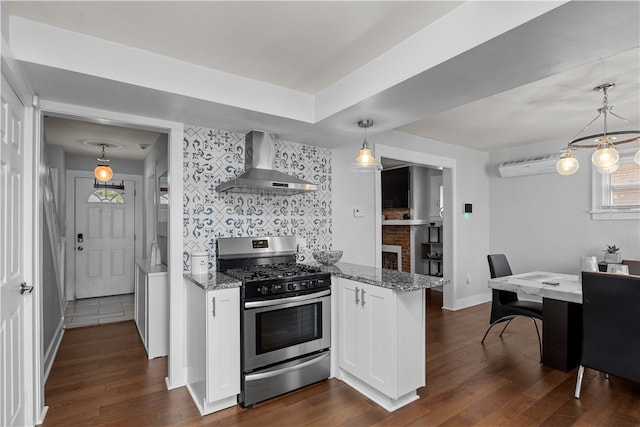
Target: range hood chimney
[(259, 176)]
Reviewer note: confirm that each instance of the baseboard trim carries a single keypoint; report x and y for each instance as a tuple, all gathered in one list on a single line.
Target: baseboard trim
[(52, 350), (467, 302)]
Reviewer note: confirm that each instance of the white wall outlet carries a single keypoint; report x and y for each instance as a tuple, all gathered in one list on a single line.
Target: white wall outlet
[(357, 213), (468, 278)]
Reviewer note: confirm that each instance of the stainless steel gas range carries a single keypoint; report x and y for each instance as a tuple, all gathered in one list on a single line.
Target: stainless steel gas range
[(285, 315)]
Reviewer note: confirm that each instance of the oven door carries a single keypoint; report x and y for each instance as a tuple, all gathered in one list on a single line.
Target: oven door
[(285, 328)]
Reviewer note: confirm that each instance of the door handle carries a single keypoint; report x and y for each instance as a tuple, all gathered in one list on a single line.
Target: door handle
[(363, 297), (357, 300), (80, 248), (24, 289)]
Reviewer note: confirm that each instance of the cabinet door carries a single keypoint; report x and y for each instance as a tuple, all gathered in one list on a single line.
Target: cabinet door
[(348, 324), (378, 344), (223, 344)]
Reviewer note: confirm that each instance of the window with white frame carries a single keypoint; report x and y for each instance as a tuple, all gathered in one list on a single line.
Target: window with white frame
[(617, 196)]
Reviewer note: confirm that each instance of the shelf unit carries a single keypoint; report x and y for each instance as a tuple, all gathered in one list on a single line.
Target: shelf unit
[(432, 251)]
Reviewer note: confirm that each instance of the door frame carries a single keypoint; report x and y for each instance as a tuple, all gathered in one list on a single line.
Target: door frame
[(175, 130), (71, 175), (450, 218)]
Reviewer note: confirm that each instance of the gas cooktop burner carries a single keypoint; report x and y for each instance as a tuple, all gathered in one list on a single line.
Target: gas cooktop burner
[(272, 271)]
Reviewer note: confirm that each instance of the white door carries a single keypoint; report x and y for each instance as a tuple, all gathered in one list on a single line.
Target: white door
[(349, 316), (223, 343), (378, 345), (104, 239), (12, 265)]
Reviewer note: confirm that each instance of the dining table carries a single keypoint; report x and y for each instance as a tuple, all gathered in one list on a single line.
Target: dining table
[(562, 312)]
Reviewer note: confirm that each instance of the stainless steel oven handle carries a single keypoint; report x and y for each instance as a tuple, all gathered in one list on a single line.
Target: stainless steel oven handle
[(276, 372), (271, 302)]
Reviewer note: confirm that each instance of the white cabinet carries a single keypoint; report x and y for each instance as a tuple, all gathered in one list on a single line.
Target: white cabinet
[(381, 341), (151, 310), (213, 347)]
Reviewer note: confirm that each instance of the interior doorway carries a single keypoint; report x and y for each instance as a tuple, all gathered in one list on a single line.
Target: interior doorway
[(412, 217), (446, 216)]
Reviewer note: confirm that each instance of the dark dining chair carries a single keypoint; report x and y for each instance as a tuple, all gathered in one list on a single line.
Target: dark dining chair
[(505, 305), (634, 266), (610, 327)]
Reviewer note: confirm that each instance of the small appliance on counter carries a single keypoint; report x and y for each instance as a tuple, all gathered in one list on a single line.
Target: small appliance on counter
[(285, 316)]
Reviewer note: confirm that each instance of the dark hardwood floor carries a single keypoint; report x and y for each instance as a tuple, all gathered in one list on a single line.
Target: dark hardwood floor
[(101, 377)]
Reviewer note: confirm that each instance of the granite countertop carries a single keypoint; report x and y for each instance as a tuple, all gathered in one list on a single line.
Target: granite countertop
[(392, 279), (213, 280)]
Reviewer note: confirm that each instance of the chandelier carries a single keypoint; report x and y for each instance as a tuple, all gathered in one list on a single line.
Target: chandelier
[(365, 162), (605, 156), (103, 171)]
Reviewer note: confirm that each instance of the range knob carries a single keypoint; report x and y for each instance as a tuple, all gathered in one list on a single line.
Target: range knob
[(291, 286), (264, 290)]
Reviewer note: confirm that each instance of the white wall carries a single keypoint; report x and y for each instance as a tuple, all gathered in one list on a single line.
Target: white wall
[(542, 222), (356, 236)]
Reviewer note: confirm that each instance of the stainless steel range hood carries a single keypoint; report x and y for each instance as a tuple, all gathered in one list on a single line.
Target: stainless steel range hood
[(259, 177)]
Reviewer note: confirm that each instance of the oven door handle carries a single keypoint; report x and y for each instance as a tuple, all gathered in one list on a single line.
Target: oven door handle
[(276, 372), (280, 301)]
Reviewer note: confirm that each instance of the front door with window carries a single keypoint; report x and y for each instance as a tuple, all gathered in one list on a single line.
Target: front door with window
[(104, 239)]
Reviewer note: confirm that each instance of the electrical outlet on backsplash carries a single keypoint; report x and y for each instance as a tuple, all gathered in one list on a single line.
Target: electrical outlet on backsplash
[(214, 156)]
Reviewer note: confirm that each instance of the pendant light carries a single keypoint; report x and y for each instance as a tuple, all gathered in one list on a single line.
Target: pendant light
[(103, 172), (605, 157), (365, 162)]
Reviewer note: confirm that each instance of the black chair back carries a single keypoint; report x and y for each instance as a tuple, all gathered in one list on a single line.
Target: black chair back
[(611, 330), (499, 267)]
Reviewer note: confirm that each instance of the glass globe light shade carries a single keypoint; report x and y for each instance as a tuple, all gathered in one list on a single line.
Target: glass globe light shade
[(103, 173), (605, 157), (636, 158), (567, 165), (365, 158), (609, 170)]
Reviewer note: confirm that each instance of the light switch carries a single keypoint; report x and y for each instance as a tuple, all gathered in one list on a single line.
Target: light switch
[(357, 213)]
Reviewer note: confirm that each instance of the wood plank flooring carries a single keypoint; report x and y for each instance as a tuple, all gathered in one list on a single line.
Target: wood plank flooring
[(101, 377)]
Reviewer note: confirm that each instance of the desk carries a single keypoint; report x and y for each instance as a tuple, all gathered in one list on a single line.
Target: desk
[(562, 308)]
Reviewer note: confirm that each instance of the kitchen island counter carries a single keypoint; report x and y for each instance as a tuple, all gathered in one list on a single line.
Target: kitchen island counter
[(382, 277)]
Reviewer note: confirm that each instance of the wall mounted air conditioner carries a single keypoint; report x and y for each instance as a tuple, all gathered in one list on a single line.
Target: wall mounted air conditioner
[(532, 166)]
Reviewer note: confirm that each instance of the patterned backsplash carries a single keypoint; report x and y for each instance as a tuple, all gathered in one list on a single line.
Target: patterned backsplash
[(214, 156)]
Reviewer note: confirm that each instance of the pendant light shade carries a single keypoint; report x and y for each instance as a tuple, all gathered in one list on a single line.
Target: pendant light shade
[(365, 162), (605, 157), (609, 170), (103, 171), (568, 164)]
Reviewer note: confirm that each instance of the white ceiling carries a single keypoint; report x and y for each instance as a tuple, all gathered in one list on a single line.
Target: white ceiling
[(85, 139), (530, 84)]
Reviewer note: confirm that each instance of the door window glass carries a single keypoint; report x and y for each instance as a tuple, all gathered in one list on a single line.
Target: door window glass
[(105, 196)]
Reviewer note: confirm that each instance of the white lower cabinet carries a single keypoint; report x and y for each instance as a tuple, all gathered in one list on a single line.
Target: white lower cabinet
[(381, 341), (151, 307), (213, 347)]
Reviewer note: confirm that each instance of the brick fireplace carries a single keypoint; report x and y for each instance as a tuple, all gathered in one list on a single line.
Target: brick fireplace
[(396, 235)]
